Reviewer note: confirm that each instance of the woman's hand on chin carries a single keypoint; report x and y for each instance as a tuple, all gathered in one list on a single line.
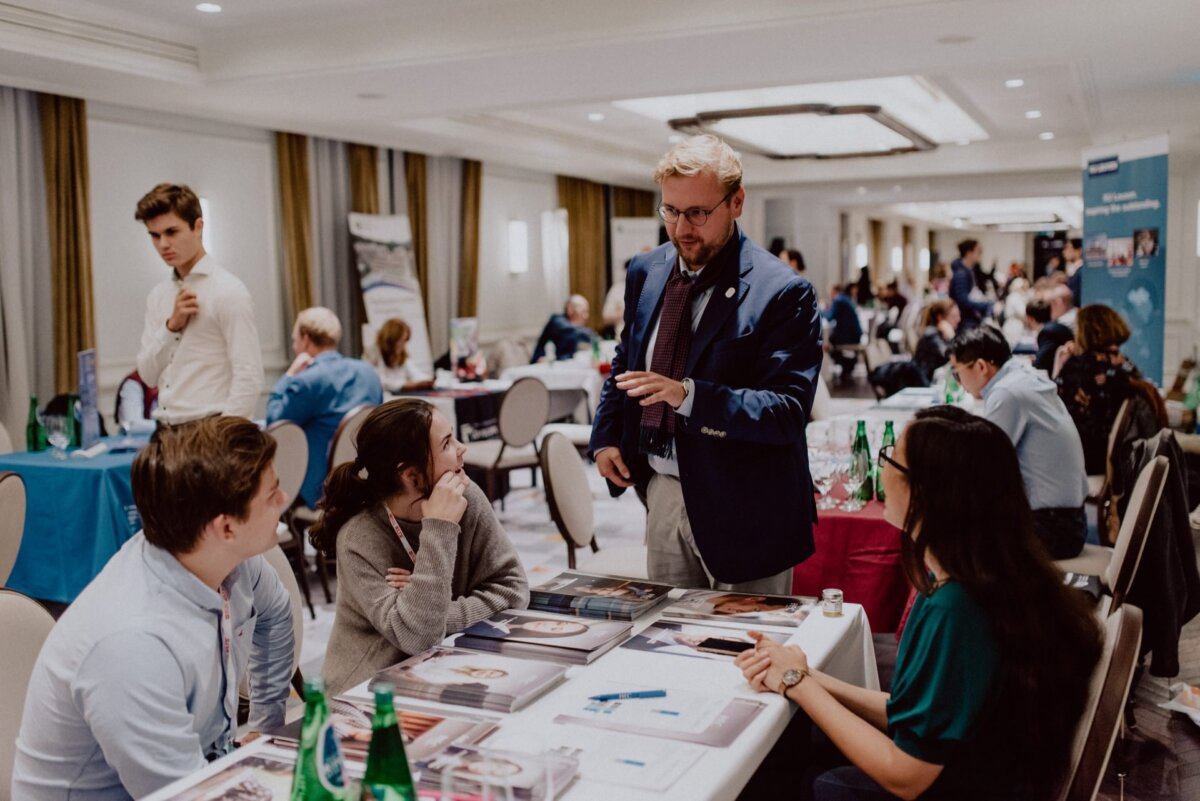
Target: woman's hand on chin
[(446, 502)]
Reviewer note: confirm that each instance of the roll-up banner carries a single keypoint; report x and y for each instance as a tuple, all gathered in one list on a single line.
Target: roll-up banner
[(387, 273), (1125, 240)]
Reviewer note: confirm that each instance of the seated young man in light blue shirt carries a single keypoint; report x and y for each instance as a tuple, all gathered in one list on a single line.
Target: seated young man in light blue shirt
[(318, 389), (1025, 403), (136, 685)]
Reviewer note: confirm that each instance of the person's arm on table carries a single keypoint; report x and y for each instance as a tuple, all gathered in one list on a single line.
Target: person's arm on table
[(245, 354), (131, 692), (272, 648), (859, 740), (505, 586)]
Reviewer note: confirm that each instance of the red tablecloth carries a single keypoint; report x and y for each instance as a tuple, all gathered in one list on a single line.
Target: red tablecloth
[(858, 553)]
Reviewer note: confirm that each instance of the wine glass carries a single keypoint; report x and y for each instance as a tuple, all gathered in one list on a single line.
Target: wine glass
[(57, 434), (825, 475), (858, 473)]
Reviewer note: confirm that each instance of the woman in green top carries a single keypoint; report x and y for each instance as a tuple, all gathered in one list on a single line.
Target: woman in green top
[(992, 672)]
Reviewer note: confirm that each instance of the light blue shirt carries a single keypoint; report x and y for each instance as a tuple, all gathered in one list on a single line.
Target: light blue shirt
[(1025, 403), (128, 692), (658, 463), (316, 399)]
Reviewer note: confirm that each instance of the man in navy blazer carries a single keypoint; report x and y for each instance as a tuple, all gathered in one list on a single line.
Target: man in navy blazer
[(723, 458)]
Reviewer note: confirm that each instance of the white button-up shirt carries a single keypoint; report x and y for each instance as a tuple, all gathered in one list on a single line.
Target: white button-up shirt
[(212, 366)]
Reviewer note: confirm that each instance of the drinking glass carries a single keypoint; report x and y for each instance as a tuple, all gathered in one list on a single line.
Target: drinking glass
[(857, 474), (825, 476), (57, 434)]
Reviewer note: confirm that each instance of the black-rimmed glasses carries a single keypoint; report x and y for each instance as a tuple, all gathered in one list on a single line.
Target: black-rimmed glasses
[(694, 216), (885, 455)]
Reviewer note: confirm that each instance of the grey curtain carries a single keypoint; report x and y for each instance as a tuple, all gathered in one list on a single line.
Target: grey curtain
[(444, 227), (26, 319), (329, 194)]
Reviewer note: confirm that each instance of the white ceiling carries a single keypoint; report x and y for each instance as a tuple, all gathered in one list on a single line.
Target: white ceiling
[(514, 80)]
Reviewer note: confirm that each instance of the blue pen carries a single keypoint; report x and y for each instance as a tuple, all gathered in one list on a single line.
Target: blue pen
[(623, 696)]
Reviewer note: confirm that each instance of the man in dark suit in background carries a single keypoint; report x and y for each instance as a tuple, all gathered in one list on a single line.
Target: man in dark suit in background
[(712, 386), (962, 285)]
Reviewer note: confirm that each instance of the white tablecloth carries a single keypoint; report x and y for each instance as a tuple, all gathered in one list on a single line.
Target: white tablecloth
[(566, 374), (839, 646)]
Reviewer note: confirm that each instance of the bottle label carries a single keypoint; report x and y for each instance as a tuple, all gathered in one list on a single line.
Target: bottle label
[(382, 792), (329, 760)]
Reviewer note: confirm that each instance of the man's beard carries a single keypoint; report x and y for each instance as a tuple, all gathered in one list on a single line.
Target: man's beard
[(706, 253)]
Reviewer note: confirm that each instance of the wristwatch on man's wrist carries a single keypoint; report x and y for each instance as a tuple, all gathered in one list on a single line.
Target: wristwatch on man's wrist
[(791, 678)]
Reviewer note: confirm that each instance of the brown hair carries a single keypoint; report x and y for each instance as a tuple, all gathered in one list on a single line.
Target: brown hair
[(389, 334), (935, 311), (190, 474), (1099, 328), (168, 198), (393, 438)]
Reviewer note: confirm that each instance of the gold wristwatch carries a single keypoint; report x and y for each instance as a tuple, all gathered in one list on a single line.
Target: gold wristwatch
[(791, 678)]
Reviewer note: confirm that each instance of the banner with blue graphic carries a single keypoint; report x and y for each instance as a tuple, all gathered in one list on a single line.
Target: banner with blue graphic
[(1125, 240)]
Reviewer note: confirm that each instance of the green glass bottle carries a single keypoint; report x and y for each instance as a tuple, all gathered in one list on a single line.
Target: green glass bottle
[(74, 412), (319, 775), (951, 386), (388, 777), (889, 438), (861, 461), (35, 435)]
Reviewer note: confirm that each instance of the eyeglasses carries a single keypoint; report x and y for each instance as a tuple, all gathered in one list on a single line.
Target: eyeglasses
[(954, 370), (885, 455), (694, 216)]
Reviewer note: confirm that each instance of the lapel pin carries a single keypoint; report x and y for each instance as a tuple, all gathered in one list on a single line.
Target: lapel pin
[(729, 292)]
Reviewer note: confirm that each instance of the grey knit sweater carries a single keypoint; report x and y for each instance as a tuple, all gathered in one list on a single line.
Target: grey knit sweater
[(463, 574)]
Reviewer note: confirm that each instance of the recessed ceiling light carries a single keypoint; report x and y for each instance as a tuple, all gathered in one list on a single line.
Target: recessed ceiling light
[(674, 139), (596, 116), (1033, 114), (1014, 83), (370, 95), (897, 188), (862, 190), (1046, 136), (208, 8), (963, 142), (955, 39)]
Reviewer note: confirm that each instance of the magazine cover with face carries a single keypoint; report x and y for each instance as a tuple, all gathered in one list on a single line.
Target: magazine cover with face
[(736, 607), (257, 772), (540, 628), (704, 642), (586, 586), (497, 773), (470, 678), (423, 732)]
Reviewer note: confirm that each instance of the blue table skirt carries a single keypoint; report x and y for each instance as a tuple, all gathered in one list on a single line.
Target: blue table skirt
[(78, 513)]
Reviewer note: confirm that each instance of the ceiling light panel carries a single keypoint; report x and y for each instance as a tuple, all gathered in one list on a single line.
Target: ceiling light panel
[(911, 100), (801, 135)]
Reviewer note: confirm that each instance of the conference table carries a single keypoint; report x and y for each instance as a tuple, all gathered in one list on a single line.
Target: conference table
[(840, 646), (78, 513), (471, 407)]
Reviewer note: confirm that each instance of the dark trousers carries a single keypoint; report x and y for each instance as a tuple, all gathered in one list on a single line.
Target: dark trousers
[(1061, 530)]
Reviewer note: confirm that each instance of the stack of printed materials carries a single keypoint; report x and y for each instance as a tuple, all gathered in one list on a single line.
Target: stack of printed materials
[(568, 640), (610, 597), (486, 773), (470, 678), (742, 608)]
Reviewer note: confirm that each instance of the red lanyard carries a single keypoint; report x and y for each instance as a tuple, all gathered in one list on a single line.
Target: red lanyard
[(408, 549)]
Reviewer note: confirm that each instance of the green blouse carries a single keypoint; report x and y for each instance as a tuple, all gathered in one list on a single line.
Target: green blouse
[(947, 677)]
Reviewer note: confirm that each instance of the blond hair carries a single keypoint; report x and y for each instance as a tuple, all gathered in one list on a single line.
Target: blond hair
[(320, 325), (704, 153)]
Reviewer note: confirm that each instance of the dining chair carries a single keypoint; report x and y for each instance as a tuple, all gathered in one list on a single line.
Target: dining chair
[(1108, 689), (342, 448), (24, 627), (6, 443), (569, 496), (291, 465), (1117, 566), (280, 563), (822, 407), (522, 414), (1098, 485), (12, 522)]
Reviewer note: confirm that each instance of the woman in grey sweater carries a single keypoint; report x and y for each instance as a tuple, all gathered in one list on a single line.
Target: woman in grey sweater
[(419, 550)]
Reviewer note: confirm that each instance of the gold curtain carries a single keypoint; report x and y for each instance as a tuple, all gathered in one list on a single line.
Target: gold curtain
[(628, 202), (364, 178), (468, 280), (585, 204), (414, 180), (65, 161), (291, 151)]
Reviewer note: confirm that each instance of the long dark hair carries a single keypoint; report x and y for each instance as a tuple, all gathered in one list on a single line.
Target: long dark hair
[(968, 507), (393, 438)]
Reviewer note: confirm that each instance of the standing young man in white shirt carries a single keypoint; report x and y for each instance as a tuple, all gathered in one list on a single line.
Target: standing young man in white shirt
[(199, 344)]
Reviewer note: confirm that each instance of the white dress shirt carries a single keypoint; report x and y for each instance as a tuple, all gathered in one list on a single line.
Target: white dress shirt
[(212, 366)]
